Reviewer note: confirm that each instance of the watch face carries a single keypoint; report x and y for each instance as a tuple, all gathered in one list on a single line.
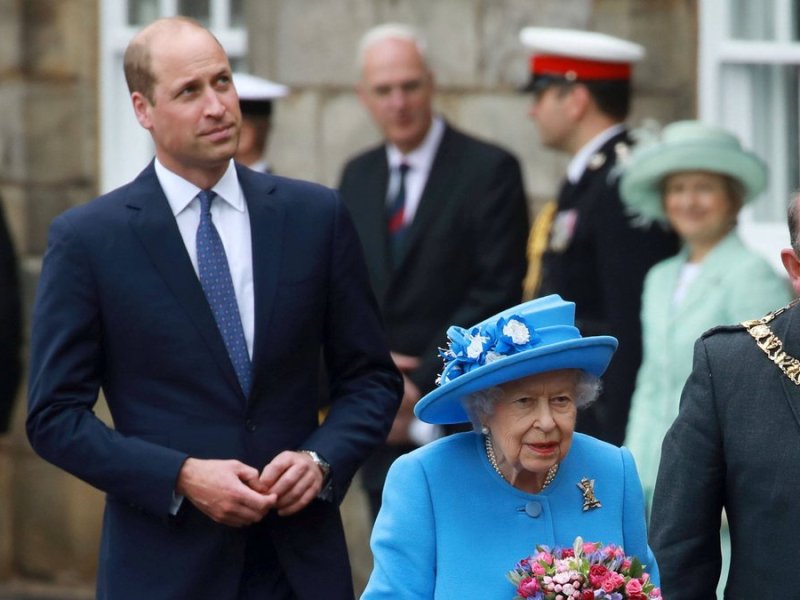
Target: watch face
[(325, 467)]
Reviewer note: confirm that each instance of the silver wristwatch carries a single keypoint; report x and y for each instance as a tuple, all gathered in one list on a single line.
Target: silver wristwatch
[(320, 462)]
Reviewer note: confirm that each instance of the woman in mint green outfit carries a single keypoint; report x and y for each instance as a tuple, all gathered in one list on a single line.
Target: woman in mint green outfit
[(696, 177)]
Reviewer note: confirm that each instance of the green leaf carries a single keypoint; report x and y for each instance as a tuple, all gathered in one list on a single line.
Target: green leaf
[(636, 569)]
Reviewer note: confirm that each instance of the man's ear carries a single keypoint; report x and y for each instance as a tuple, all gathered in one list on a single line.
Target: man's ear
[(578, 101), (141, 108), (792, 265)]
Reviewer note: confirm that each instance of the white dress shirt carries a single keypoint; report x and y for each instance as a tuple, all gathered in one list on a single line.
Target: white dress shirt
[(232, 221), (581, 159), (420, 161)]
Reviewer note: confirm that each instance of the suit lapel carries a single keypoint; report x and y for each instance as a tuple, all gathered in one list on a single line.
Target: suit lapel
[(712, 270), (440, 177), (267, 216), (154, 224), (375, 234)]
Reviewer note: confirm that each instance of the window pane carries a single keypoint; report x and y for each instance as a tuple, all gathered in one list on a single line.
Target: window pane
[(761, 105), (752, 20), (238, 63), (237, 13), (197, 9), (142, 12)]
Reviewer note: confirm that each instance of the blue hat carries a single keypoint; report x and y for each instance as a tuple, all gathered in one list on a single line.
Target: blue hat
[(535, 337)]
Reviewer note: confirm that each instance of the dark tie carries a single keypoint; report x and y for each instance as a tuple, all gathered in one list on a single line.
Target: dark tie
[(396, 217), (215, 277)]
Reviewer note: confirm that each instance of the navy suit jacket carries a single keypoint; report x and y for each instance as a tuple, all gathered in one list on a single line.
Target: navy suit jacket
[(465, 257), (119, 306)]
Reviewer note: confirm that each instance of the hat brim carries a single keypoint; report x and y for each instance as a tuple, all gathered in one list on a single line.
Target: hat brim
[(538, 83), (640, 186), (443, 405)]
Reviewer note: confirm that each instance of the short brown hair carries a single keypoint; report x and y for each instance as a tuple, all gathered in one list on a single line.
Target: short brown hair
[(138, 74), (137, 61)]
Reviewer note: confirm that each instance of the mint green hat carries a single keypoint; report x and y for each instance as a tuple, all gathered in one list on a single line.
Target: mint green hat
[(688, 146)]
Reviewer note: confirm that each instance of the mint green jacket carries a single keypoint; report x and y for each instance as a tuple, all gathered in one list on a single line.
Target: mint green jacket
[(734, 284)]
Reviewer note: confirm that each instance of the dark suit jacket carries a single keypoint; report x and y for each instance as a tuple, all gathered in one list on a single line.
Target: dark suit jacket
[(465, 257), (10, 326), (466, 245), (599, 261), (120, 306), (735, 444)]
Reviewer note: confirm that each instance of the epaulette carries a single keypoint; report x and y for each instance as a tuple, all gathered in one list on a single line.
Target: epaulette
[(722, 329), (737, 327)]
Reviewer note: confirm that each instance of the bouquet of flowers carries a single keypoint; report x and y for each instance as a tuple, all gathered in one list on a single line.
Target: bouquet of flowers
[(587, 571)]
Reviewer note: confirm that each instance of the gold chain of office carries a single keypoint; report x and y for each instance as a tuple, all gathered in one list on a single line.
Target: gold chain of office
[(772, 345)]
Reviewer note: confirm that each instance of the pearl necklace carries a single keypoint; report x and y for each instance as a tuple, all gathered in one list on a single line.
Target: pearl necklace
[(548, 479)]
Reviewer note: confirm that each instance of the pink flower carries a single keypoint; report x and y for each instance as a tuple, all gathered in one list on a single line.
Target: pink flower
[(544, 557), (538, 570), (597, 574), (528, 587), (589, 547), (626, 564), (612, 582), (634, 586), (655, 593)]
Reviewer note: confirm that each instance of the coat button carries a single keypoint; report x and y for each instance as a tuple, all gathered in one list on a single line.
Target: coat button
[(533, 508), (250, 426)]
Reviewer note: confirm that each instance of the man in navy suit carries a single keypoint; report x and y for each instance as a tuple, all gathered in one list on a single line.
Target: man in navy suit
[(456, 251), (220, 481)]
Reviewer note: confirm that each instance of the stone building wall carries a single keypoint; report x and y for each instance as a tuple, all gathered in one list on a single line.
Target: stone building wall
[(49, 103)]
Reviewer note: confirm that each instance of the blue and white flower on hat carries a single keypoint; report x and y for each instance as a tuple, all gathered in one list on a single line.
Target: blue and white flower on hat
[(471, 349)]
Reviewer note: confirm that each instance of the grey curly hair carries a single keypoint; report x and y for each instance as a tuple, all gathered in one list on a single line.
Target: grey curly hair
[(480, 404)]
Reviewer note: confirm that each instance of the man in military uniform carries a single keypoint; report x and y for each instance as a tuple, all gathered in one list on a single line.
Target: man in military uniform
[(584, 246), (735, 445)]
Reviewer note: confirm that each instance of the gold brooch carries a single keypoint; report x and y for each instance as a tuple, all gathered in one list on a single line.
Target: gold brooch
[(586, 486)]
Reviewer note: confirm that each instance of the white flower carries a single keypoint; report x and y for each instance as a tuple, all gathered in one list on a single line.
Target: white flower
[(517, 331), (492, 356), (475, 347)]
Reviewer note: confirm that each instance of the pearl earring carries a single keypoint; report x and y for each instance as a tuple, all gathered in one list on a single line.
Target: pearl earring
[(485, 430)]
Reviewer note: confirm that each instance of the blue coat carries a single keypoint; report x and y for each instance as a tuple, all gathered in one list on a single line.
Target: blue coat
[(119, 306), (451, 527), (733, 284)]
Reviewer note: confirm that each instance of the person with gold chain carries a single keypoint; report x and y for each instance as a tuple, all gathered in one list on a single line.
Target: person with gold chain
[(585, 246), (735, 445)]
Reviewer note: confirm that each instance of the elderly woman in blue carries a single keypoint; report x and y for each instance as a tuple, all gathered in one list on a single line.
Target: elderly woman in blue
[(459, 513)]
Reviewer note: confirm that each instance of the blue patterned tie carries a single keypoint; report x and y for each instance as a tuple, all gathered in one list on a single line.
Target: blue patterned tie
[(215, 277)]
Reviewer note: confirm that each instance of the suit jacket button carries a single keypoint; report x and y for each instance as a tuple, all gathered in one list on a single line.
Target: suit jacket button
[(533, 508), (250, 426)]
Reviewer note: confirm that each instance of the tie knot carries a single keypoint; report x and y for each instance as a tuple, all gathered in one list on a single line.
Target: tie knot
[(403, 168), (205, 198)]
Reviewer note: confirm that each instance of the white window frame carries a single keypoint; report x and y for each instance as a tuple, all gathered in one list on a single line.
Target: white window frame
[(125, 147), (727, 97)]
